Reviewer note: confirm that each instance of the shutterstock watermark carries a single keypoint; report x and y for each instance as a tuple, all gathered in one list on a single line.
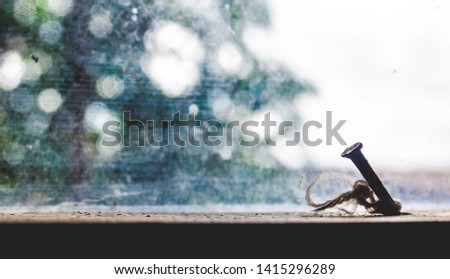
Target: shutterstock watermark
[(193, 132)]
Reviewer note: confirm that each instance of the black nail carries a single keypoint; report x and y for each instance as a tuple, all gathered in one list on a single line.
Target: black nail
[(386, 203)]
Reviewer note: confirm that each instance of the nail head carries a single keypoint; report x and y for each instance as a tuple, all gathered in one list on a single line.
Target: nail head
[(349, 150)]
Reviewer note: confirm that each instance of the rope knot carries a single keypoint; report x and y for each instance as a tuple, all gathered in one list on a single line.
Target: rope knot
[(361, 194)]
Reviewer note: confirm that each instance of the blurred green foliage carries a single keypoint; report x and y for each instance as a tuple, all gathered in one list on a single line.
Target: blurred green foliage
[(53, 157)]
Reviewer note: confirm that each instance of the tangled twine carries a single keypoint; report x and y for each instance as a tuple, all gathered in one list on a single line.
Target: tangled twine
[(361, 194)]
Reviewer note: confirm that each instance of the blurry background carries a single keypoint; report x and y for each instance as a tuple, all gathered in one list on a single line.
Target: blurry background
[(67, 67)]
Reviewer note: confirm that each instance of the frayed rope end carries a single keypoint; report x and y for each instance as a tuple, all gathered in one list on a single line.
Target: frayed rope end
[(361, 194)]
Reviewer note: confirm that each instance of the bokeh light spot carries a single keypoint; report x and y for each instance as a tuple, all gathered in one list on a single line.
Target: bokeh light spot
[(172, 75), (60, 7), (96, 115), (24, 12), (109, 87), (50, 31), (14, 153), (100, 24), (49, 100), (174, 38), (21, 100), (34, 70), (230, 58), (12, 69), (193, 108), (222, 106), (173, 58), (37, 124)]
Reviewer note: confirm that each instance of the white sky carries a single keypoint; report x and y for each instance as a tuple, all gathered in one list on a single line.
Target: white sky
[(384, 66)]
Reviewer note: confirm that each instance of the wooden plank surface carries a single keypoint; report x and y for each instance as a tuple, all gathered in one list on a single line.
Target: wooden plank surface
[(217, 218)]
